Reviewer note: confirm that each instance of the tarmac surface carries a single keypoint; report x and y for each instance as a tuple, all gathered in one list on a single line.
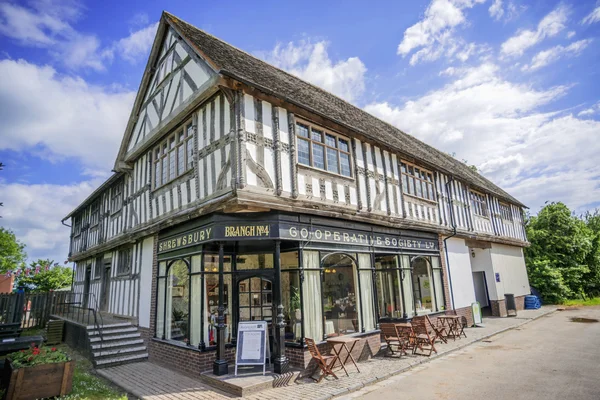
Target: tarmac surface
[(554, 357)]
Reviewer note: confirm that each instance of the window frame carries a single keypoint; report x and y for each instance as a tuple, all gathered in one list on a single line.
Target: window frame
[(167, 153), (413, 178), (311, 142), (125, 260), (95, 213), (507, 211), (479, 204), (116, 197)]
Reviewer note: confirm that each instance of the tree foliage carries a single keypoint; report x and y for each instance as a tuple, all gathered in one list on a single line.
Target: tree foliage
[(12, 251), (563, 261), (56, 277)]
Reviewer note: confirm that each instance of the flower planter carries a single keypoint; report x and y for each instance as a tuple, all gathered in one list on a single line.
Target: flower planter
[(37, 382)]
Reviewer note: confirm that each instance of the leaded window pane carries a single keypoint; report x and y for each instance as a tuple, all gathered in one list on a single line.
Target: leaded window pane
[(343, 145), (330, 140), (332, 161), (302, 130), (318, 156), (345, 164), (303, 152), (180, 160), (317, 135)]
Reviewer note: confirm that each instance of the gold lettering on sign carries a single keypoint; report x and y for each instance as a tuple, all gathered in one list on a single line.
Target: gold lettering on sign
[(187, 239), (247, 231)]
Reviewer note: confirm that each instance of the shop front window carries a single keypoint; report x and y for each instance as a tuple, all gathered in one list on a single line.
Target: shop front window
[(211, 302), (290, 296), (388, 283), (340, 295), (178, 303), (426, 282)]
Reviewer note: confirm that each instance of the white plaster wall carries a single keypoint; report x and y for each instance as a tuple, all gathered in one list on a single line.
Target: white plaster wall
[(145, 282), (510, 263), (482, 262), (460, 269)]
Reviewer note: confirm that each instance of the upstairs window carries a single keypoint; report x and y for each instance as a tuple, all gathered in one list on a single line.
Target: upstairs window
[(98, 267), (95, 213), (116, 197), (417, 181), (124, 265), (77, 225), (174, 156), (479, 204), (505, 213), (324, 150)]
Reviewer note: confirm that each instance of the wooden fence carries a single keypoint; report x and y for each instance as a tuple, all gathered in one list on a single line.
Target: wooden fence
[(32, 310)]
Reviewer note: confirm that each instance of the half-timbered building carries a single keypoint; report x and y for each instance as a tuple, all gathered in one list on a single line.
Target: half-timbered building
[(241, 192)]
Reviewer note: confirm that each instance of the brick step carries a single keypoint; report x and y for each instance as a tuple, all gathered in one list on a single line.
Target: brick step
[(108, 338), (113, 361), (116, 343), (113, 330), (121, 351), (105, 326)]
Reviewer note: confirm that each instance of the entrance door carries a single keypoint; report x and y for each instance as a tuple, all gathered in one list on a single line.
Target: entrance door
[(480, 289), (255, 299), (105, 287), (86, 286)]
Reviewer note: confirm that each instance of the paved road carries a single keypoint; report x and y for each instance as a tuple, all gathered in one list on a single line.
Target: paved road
[(551, 358)]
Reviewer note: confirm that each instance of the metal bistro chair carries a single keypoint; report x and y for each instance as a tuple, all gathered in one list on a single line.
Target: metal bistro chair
[(424, 337), (325, 363)]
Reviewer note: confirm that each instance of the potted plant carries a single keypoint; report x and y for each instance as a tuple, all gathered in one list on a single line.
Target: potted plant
[(295, 303), (25, 370)]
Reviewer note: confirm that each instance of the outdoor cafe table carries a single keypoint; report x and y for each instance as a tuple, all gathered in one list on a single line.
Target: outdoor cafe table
[(451, 322), (343, 341)]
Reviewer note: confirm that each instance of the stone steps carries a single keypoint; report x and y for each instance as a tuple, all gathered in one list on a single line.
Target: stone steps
[(119, 343)]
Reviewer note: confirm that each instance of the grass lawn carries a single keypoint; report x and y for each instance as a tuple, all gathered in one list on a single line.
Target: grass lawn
[(580, 303), (86, 384)]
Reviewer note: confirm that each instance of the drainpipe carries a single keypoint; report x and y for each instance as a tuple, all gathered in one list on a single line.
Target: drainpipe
[(453, 223)]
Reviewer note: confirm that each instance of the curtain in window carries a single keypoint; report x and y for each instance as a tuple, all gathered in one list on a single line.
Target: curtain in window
[(367, 302), (407, 286), (160, 300), (196, 311), (311, 293), (437, 282)]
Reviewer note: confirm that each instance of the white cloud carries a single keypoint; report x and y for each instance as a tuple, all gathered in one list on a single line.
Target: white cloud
[(553, 54), (311, 62), (49, 25), (433, 35), (498, 126), (496, 11), (63, 116), (34, 213), (570, 34), (588, 112), (592, 17), (137, 45), (549, 26)]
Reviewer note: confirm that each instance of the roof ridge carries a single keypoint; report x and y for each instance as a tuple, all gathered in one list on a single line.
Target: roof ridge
[(420, 147)]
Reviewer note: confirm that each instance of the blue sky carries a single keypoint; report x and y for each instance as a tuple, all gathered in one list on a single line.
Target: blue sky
[(511, 86)]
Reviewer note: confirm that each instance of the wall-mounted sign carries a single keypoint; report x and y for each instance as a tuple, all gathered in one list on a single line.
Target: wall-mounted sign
[(187, 239), (287, 231), (252, 344), (243, 231), (497, 276), (357, 238)]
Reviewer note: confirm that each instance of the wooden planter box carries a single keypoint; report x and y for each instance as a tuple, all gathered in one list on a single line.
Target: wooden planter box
[(40, 381)]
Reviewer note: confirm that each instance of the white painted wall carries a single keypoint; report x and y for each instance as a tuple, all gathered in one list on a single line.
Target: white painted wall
[(460, 270), (510, 263), (146, 282), (482, 262)]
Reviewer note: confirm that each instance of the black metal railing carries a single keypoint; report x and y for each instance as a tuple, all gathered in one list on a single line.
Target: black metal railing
[(81, 308)]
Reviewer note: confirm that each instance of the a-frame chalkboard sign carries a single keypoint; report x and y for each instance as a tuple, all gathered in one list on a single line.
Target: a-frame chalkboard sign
[(252, 344)]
